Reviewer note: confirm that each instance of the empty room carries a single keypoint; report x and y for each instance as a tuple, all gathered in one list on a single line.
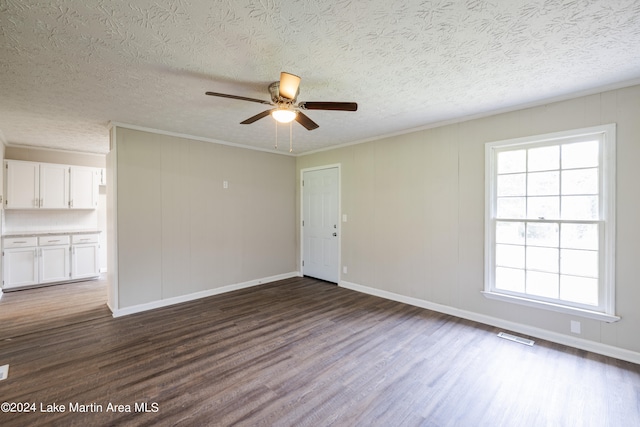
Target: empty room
[(297, 213)]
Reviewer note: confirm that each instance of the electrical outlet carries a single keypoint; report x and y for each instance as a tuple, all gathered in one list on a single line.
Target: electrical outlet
[(225, 184), (575, 327), (344, 269)]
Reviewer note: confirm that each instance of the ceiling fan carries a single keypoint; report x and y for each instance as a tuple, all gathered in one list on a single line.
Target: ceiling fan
[(284, 95)]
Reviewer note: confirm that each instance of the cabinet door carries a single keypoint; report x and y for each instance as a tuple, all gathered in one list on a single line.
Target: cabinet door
[(83, 188), (20, 267), (23, 184), (54, 186), (84, 261), (54, 264)]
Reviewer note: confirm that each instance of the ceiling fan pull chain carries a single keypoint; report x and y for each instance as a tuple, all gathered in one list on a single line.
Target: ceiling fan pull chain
[(291, 137), (276, 146)]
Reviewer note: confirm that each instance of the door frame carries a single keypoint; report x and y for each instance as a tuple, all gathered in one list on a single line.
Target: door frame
[(338, 220)]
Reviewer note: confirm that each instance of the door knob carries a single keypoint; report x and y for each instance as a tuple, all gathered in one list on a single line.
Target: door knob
[(335, 234)]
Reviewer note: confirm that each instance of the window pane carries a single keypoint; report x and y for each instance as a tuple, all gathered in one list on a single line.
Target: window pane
[(579, 236), (543, 207), (580, 181), (579, 289), (510, 279), (512, 161), (510, 256), (542, 284), (579, 263), (547, 204), (542, 234), (580, 207), (580, 155), (544, 158), (510, 232), (512, 185), (543, 184), (511, 207), (544, 259)]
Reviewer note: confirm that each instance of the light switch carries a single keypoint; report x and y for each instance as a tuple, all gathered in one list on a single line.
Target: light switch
[(344, 217), (225, 184)]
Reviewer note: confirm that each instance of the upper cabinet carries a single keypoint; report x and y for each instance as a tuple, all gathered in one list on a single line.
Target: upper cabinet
[(22, 180), (32, 185), (83, 192), (54, 186)]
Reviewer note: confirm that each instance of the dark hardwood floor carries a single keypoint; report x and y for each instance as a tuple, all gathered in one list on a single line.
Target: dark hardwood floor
[(298, 352)]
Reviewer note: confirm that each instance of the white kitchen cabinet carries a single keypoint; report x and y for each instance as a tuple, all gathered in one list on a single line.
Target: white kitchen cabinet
[(85, 256), (32, 185), (22, 182), (20, 262), (54, 186), (20, 267), (53, 259), (31, 261), (83, 193)]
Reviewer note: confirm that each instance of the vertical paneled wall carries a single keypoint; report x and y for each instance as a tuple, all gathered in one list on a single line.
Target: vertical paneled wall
[(415, 209), (180, 232)]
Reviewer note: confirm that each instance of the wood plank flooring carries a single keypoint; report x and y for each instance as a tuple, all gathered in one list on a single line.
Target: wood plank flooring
[(297, 352)]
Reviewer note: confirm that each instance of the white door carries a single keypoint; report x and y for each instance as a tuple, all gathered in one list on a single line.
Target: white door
[(54, 186), (320, 224)]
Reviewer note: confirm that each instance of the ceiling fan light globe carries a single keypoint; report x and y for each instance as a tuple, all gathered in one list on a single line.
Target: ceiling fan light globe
[(284, 116)]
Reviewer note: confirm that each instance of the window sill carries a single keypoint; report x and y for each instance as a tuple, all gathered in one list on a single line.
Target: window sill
[(609, 318)]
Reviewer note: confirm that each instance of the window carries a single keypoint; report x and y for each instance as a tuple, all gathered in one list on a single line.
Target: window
[(550, 221)]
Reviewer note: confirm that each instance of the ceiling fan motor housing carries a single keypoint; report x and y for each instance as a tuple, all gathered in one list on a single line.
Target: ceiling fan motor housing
[(274, 90)]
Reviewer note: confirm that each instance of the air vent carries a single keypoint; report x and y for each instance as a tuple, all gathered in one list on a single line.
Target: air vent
[(516, 339)]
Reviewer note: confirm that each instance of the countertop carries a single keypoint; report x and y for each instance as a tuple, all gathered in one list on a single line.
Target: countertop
[(48, 233)]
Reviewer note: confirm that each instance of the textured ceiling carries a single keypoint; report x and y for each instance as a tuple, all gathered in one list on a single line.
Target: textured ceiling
[(69, 67)]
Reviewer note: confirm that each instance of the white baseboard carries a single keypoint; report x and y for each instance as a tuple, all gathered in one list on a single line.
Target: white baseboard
[(197, 295), (582, 344)]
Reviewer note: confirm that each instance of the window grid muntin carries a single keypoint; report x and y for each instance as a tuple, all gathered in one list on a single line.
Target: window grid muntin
[(558, 220), (559, 247)]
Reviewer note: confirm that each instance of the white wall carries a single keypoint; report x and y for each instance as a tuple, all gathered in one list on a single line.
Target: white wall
[(178, 232), (415, 206)]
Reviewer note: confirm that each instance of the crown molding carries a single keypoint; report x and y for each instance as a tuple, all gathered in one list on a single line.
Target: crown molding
[(194, 137)]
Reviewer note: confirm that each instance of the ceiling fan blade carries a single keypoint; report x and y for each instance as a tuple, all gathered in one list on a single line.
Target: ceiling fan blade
[(289, 85), (336, 106), (305, 121), (241, 98), (256, 117)]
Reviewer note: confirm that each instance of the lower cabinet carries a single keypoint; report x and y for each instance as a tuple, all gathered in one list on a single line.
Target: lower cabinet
[(20, 267), (53, 263), (34, 261), (85, 256), (53, 258)]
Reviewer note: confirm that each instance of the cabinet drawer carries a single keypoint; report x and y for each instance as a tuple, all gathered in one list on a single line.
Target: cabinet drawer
[(53, 240), (85, 238), (20, 242)]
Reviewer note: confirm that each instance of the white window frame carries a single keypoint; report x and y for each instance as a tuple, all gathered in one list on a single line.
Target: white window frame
[(606, 310)]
